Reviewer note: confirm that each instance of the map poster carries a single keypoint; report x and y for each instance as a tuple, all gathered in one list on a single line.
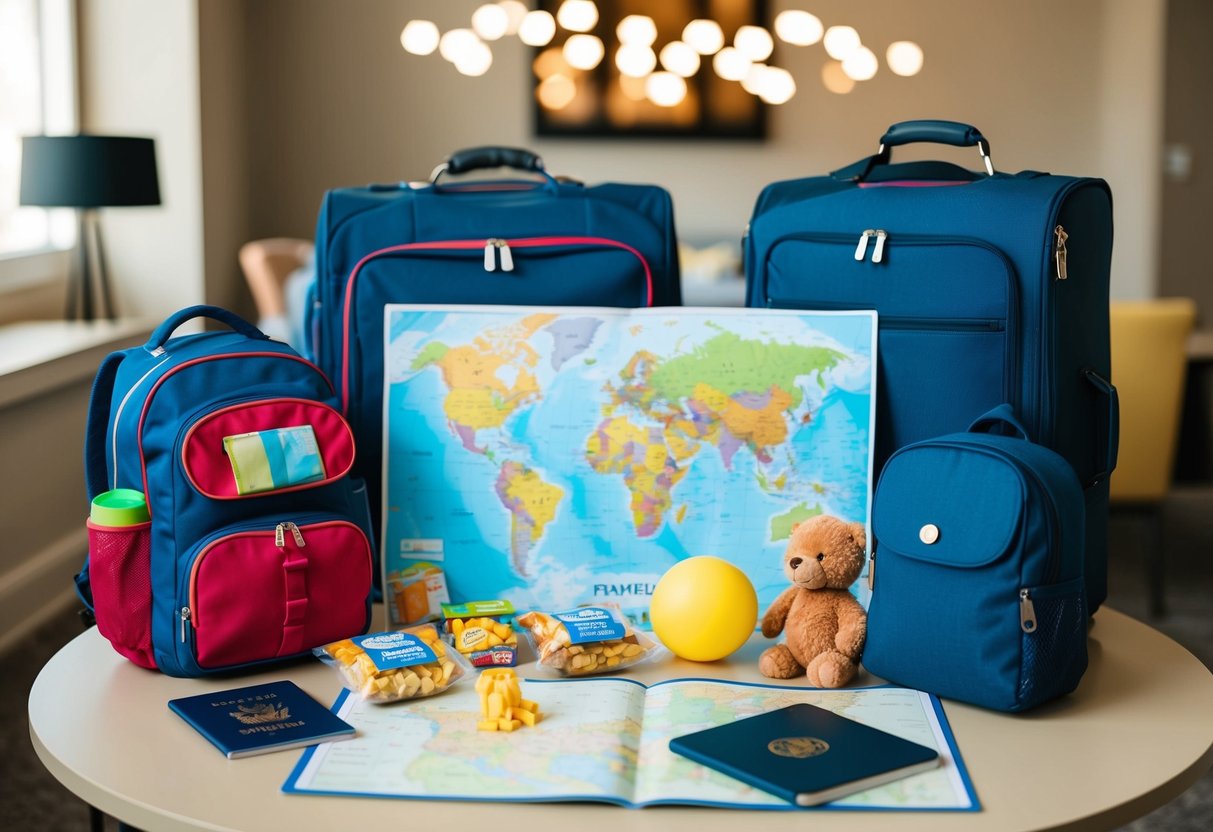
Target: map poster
[(563, 456), (607, 739)]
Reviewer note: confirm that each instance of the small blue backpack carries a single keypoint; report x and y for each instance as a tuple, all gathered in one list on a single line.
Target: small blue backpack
[(227, 573), (977, 569)]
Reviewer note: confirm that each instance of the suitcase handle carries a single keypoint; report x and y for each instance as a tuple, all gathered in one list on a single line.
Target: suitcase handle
[(923, 130), (216, 313), (1111, 426), (493, 156)]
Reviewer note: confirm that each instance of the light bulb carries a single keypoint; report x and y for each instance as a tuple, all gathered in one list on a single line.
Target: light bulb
[(635, 60), (665, 89), (904, 57), (835, 80), (456, 43), (537, 28), (490, 21), (680, 59), (476, 60), (704, 36), (515, 11), (798, 28), (861, 64), (577, 15), (556, 92), (419, 37), (840, 41), (636, 29), (583, 51), (752, 82), (754, 42), (730, 64), (776, 85)]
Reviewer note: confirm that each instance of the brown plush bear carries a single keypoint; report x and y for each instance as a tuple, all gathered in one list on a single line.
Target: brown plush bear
[(824, 624)]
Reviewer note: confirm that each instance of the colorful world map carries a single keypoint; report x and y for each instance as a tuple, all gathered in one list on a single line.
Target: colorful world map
[(556, 457)]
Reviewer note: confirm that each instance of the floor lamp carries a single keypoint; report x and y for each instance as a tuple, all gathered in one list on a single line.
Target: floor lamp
[(87, 173)]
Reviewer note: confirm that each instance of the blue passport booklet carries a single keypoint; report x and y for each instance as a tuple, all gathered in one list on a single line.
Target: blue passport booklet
[(805, 754), (276, 716)]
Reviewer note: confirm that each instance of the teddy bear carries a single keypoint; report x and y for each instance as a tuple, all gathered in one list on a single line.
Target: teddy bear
[(824, 625)]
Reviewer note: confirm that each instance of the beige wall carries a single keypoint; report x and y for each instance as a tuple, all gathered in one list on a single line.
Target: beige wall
[(139, 76), (1066, 87), (1186, 266), (223, 87)]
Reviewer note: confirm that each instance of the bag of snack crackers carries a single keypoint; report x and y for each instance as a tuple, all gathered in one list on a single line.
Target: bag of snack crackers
[(587, 640), (395, 665)]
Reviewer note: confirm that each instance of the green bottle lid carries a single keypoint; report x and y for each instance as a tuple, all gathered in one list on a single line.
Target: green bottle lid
[(119, 507)]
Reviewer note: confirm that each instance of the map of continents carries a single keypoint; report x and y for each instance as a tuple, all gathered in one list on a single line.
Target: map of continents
[(566, 457)]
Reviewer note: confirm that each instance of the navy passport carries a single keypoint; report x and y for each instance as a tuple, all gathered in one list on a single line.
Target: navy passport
[(276, 716), (805, 754)]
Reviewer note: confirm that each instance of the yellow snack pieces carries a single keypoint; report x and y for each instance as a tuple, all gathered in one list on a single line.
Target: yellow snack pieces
[(480, 633), (555, 649), (502, 707), (395, 683)]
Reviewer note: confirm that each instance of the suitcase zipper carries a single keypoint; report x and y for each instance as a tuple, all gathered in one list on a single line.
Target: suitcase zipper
[(493, 248), (1059, 252)]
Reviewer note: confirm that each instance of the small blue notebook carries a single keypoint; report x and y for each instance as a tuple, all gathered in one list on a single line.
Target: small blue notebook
[(805, 754), (242, 722)]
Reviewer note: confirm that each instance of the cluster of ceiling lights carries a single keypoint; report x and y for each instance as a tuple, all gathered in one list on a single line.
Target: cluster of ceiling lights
[(638, 59)]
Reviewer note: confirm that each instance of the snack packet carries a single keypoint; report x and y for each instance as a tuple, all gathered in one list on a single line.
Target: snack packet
[(587, 640), (395, 665), (481, 631)]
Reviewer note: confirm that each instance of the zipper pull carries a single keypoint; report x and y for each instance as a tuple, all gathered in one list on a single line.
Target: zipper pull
[(298, 535), (861, 250), (1060, 252), (280, 535), (878, 252), (872, 571), (490, 259), (507, 259), (185, 616), (1027, 612)]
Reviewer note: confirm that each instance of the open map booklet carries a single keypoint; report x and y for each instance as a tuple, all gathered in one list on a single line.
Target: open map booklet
[(607, 740)]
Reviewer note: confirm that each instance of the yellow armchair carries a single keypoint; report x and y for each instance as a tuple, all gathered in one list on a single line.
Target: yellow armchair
[(1149, 365)]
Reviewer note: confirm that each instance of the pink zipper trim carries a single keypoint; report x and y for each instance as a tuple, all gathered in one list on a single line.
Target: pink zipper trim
[(151, 394), (913, 183), (255, 402), (193, 594), (460, 245)]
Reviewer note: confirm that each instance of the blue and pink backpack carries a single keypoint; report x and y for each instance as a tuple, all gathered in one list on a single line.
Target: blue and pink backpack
[(219, 580)]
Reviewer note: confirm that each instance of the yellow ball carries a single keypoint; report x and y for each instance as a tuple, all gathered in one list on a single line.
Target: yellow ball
[(703, 608)]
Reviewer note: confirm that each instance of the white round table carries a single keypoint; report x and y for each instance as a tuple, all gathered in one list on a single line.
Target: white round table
[(1136, 733)]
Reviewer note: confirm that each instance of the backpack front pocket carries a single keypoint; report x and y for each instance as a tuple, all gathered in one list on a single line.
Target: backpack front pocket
[(272, 589), (211, 467)]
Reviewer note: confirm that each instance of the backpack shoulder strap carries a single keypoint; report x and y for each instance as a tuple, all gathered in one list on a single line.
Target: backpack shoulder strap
[(100, 401)]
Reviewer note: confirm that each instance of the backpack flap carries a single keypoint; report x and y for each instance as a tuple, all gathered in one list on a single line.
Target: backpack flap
[(967, 515)]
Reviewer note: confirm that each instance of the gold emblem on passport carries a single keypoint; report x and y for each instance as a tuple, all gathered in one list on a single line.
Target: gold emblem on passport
[(798, 747), (261, 713)]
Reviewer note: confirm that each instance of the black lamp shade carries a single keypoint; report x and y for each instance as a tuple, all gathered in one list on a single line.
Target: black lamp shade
[(88, 171)]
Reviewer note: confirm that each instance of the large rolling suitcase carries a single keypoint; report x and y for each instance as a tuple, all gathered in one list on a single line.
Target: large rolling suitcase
[(990, 287), (537, 241)]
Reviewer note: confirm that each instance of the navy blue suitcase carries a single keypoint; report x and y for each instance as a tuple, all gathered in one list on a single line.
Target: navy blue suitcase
[(532, 242), (991, 287)]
